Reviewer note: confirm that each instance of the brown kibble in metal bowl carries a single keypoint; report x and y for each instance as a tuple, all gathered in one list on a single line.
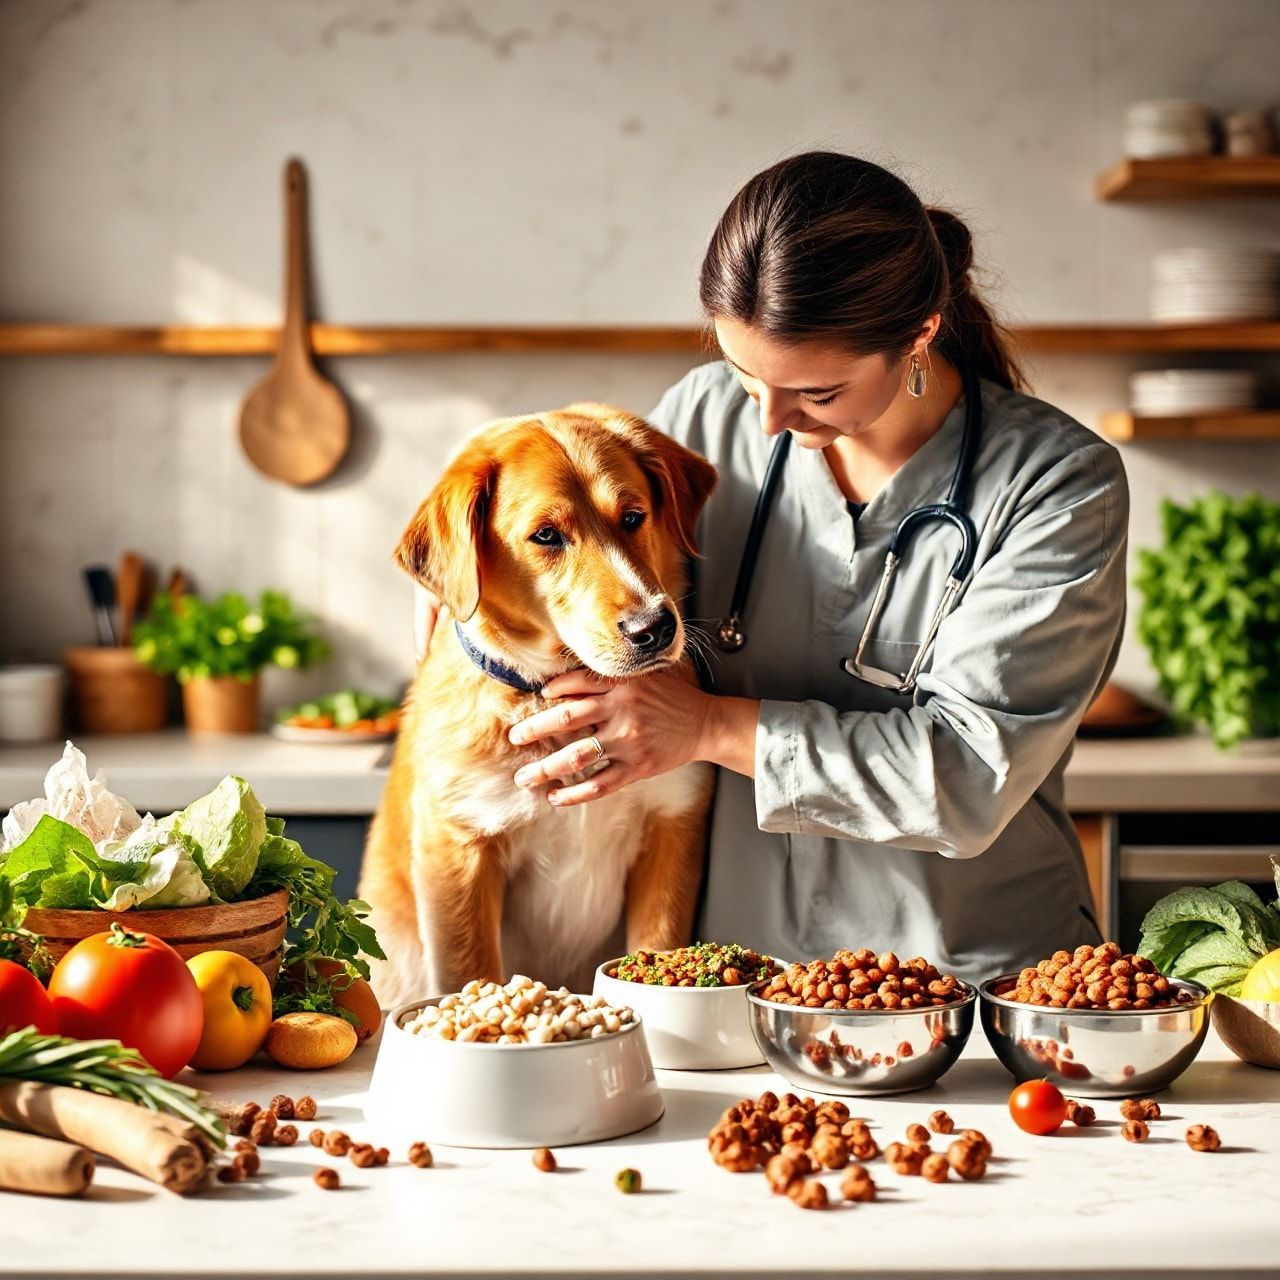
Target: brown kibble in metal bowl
[(421, 1158), (304, 1108), (935, 1167), (1135, 1131), (1200, 1137), (327, 1179)]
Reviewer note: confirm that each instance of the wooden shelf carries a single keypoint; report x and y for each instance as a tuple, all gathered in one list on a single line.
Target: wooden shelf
[(383, 340), (1190, 177), (1250, 424)]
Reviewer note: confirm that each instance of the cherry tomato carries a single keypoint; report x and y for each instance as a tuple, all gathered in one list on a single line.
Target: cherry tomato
[(1038, 1107), (24, 1002), (131, 987)]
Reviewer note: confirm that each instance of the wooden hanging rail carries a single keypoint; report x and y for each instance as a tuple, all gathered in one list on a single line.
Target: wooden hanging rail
[(386, 340)]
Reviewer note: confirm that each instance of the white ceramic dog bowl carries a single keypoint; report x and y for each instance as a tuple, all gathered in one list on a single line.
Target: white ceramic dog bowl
[(688, 1028), (511, 1095)]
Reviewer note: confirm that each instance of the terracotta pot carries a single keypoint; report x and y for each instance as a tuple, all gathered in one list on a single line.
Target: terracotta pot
[(255, 928), (112, 692), (221, 704)]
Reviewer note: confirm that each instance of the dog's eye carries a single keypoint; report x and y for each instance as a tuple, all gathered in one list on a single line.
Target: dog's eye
[(547, 536), (632, 520)]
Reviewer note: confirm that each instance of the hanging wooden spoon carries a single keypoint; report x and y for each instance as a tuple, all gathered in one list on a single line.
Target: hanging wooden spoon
[(294, 424)]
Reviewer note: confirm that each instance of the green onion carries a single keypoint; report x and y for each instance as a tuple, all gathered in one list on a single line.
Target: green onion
[(107, 1067)]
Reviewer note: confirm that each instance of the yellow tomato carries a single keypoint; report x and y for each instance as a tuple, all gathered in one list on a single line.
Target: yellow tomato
[(237, 1009)]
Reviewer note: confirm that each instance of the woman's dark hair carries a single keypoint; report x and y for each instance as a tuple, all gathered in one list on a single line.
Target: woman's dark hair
[(831, 248)]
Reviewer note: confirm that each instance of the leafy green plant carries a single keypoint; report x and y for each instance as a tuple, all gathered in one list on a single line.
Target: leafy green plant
[(1210, 615), (228, 636)]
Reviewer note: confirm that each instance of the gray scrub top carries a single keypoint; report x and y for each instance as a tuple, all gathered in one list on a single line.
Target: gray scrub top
[(929, 823)]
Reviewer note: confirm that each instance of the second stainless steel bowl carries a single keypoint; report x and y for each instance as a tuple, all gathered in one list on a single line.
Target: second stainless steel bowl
[(1095, 1053), (860, 1052)]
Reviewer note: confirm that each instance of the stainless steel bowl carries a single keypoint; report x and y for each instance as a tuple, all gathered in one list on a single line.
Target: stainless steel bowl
[(862, 1052), (1095, 1053)]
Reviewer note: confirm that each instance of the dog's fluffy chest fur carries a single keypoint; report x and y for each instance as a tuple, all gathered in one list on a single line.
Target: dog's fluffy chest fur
[(567, 868)]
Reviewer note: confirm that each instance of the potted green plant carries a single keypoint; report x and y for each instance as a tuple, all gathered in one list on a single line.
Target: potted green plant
[(217, 649), (1210, 615)]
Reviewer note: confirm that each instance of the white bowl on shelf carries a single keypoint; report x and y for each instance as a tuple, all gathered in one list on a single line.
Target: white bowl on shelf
[(688, 1028), (510, 1095)]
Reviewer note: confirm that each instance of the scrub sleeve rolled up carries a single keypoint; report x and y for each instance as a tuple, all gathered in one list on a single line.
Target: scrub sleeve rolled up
[(931, 822)]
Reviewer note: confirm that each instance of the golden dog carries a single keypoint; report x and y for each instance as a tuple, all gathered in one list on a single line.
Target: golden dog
[(557, 541)]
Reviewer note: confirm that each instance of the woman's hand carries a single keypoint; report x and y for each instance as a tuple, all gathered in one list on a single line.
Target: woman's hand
[(646, 726)]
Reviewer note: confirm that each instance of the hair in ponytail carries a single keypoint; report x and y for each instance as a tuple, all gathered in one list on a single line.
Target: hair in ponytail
[(827, 247)]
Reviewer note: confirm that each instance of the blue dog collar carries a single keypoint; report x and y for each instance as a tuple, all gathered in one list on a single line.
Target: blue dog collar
[(491, 666)]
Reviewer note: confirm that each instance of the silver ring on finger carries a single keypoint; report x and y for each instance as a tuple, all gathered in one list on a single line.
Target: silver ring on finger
[(601, 755)]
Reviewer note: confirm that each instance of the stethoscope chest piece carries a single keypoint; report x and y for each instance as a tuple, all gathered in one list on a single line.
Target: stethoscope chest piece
[(730, 635)]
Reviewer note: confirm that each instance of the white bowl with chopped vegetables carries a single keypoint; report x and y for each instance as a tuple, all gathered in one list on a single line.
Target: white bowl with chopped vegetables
[(693, 1001)]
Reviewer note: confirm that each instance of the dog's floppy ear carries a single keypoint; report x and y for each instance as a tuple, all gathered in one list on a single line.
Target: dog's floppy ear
[(441, 546)]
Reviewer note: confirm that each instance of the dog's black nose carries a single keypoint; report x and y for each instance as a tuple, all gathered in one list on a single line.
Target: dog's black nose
[(649, 633)]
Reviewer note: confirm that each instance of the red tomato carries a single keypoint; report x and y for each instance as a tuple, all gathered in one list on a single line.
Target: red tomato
[(23, 1001), (134, 988), (1038, 1107)]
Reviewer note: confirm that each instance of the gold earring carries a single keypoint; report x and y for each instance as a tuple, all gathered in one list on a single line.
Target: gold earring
[(917, 377)]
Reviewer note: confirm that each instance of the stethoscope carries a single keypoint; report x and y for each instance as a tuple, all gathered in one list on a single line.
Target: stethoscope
[(731, 636)]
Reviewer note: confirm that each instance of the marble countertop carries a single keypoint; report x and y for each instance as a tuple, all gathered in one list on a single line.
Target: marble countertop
[(166, 771), (1081, 1202)]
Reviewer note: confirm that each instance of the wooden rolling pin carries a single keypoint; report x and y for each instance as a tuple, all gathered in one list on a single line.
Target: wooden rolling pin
[(43, 1167)]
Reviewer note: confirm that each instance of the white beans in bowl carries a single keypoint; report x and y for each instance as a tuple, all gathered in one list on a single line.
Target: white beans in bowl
[(521, 1012)]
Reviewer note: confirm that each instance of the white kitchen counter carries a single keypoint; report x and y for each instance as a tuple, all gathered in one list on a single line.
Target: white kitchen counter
[(1081, 1202), (166, 771)]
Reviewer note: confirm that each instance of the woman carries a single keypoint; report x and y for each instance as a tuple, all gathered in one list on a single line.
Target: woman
[(928, 820)]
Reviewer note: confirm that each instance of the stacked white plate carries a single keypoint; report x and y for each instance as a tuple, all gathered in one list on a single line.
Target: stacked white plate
[(1196, 286), (1167, 127), (1159, 393)]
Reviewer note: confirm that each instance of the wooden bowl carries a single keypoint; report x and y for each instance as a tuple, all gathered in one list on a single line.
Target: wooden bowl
[(1249, 1028), (255, 928)]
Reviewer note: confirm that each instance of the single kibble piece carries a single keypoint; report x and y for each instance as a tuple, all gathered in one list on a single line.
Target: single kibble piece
[(968, 1159), (230, 1173), (282, 1105), (316, 1137), (858, 1184), (830, 1150), (940, 1122), (381, 1156), (420, 1156), (808, 1194), (935, 1167), (245, 1144), (263, 1129), (780, 1172), (1140, 1109), (544, 1160), (362, 1155), (627, 1181), (286, 1135), (336, 1143), (1080, 1113), (248, 1162), (304, 1108), (1200, 1137), (918, 1134), (978, 1139), (1135, 1131), (244, 1118), (327, 1179)]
